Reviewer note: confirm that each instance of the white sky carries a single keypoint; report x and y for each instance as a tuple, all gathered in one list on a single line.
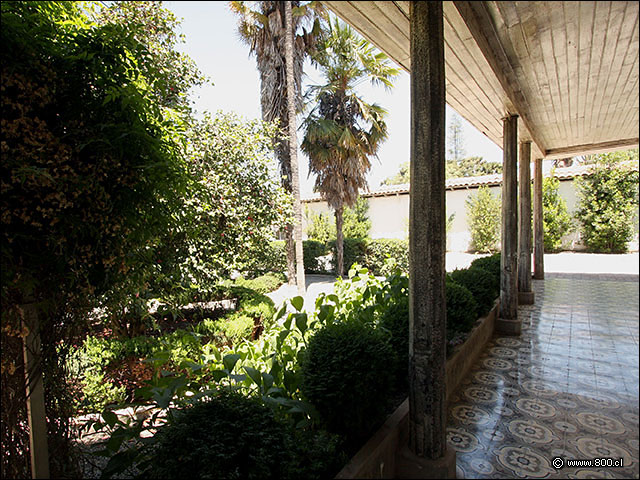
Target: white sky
[(213, 43)]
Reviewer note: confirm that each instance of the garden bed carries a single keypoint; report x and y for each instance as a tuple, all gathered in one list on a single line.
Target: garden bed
[(376, 459)]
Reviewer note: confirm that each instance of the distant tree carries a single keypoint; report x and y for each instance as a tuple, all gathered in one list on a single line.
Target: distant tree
[(620, 156), (400, 178), (320, 227), (356, 223), (455, 139), (342, 132), (483, 212), (356, 220), (556, 219)]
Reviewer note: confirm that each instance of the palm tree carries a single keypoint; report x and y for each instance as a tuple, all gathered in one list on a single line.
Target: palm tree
[(264, 30), (343, 132)]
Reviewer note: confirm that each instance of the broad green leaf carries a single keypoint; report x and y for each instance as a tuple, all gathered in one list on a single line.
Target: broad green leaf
[(229, 361), (297, 302), (254, 375), (110, 418)]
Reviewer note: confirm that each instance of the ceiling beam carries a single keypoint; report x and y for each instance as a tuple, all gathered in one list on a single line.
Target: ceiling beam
[(480, 25), (603, 147)]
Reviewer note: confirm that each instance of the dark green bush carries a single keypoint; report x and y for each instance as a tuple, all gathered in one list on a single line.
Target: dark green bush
[(379, 250), (347, 374), (395, 319), (312, 249), (481, 284), (492, 265), (355, 250), (231, 436), (462, 310), (314, 454)]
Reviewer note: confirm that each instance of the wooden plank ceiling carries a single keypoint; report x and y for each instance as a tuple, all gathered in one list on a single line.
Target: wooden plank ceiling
[(568, 69)]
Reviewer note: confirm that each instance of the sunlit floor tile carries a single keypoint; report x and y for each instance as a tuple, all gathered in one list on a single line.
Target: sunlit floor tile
[(566, 387)]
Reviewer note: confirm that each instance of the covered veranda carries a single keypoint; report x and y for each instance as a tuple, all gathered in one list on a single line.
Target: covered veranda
[(543, 80)]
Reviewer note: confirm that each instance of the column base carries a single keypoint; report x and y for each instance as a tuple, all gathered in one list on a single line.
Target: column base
[(508, 326), (526, 298), (409, 465)]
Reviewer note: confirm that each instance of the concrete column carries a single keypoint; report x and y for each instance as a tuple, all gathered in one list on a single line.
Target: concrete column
[(538, 224), (427, 454), (508, 321), (525, 293)]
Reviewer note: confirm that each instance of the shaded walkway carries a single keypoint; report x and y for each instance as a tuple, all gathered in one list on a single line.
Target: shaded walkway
[(568, 387)]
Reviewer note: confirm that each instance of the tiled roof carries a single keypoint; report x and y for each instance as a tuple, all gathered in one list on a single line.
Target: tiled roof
[(465, 182)]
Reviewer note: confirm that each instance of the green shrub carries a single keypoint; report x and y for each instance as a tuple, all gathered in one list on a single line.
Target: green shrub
[(462, 310), (491, 264), (230, 436), (380, 250), (264, 283), (484, 213), (608, 203), (312, 250), (347, 374), (355, 250), (481, 284), (91, 362), (556, 219)]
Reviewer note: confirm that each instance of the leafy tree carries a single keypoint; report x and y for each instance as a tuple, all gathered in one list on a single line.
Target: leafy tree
[(343, 131), (484, 213), (92, 173), (170, 74), (263, 28), (608, 203), (555, 216)]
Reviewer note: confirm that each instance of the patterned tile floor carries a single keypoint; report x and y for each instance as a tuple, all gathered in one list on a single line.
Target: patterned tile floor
[(567, 387)]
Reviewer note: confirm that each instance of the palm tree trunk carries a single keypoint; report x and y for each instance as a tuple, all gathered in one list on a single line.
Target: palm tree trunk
[(291, 254), (339, 242), (293, 147)]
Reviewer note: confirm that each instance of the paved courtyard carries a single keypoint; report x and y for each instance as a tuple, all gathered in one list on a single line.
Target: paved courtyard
[(567, 387)]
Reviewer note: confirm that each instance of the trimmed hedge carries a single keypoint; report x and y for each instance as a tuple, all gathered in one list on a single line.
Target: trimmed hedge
[(462, 309), (481, 284), (346, 375), (491, 264)]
